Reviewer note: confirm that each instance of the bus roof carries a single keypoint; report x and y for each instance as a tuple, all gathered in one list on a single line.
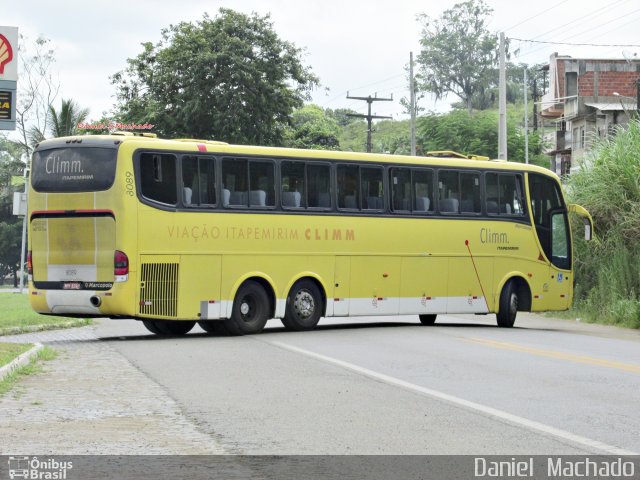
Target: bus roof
[(217, 147)]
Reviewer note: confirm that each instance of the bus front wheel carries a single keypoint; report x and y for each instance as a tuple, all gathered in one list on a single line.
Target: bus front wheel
[(304, 306), (250, 310), (508, 307), (428, 319)]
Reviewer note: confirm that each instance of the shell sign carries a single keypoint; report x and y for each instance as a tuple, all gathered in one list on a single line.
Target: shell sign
[(9, 53), (6, 52)]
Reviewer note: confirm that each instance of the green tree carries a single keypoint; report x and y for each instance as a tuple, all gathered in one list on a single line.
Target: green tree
[(312, 128), (228, 78), (10, 225), (477, 134), (458, 52), (65, 122)]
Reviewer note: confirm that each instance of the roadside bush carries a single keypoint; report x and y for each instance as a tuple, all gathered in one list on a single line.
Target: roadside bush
[(608, 268)]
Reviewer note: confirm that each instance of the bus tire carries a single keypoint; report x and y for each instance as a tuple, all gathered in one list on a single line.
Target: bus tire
[(304, 306), (428, 319), (152, 327), (508, 306), (250, 310), (174, 327)]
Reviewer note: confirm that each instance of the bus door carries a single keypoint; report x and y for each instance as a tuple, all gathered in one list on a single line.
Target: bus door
[(552, 229)]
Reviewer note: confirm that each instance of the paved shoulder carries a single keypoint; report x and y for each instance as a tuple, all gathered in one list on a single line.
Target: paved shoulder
[(91, 400)]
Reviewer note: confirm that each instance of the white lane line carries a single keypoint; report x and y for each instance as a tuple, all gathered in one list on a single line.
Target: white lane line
[(515, 419)]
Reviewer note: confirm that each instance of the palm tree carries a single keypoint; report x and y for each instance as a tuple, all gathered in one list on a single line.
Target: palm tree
[(65, 123)]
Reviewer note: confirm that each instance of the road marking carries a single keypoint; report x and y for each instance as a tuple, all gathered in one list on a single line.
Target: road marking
[(600, 362), (494, 412)]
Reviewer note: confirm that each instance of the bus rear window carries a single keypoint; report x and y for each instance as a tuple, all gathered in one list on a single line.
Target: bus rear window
[(73, 169)]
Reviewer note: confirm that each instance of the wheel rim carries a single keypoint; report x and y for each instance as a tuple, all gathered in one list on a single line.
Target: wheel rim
[(304, 304), (247, 309)]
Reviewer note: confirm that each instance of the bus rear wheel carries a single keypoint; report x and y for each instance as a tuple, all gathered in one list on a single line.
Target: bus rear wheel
[(151, 326), (304, 306), (508, 307), (428, 319), (250, 310), (169, 327)]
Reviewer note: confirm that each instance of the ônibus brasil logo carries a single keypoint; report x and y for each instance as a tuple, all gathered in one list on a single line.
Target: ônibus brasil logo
[(35, 469)]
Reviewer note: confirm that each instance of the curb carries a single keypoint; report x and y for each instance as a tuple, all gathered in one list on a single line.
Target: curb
[(20, 361), (44, 327)]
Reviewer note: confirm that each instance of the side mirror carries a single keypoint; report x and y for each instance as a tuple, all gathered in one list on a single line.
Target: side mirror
[(586, 217)]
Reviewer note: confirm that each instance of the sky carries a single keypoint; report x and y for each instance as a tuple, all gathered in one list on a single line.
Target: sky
[(354, 46)]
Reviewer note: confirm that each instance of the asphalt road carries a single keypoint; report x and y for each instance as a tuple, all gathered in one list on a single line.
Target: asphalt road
[(392, 386)]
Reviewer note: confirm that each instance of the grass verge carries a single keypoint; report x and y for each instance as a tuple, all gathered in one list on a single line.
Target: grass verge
[(18, 317), (32, 368), (9, 351)]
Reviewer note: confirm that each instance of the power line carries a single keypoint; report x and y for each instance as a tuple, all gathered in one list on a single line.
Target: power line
[(536, 15), (576, 44), (598, 10), (536, 50)]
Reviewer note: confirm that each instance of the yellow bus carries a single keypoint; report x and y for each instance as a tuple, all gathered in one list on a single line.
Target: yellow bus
[(174, 232)]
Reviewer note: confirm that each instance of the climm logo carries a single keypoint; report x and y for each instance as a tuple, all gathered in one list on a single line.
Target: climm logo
[(55, 164), (488, 236)]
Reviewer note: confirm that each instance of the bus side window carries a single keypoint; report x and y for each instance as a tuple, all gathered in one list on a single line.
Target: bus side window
[(158, 178), (347, 176), (470, 192), (448, 199), (319, 186), (422, 181), (262, 185), (504, 194), (198, 181), (235, 178), (401, 189), (372, 193), (292, 181)]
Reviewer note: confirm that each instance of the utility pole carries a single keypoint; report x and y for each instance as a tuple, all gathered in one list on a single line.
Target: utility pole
[(412, 87), (534, 95), (526, 118), (502, 94), (369, 117)]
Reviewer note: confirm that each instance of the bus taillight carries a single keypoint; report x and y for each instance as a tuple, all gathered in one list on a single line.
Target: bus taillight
[(120, 266), (29, 263)]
